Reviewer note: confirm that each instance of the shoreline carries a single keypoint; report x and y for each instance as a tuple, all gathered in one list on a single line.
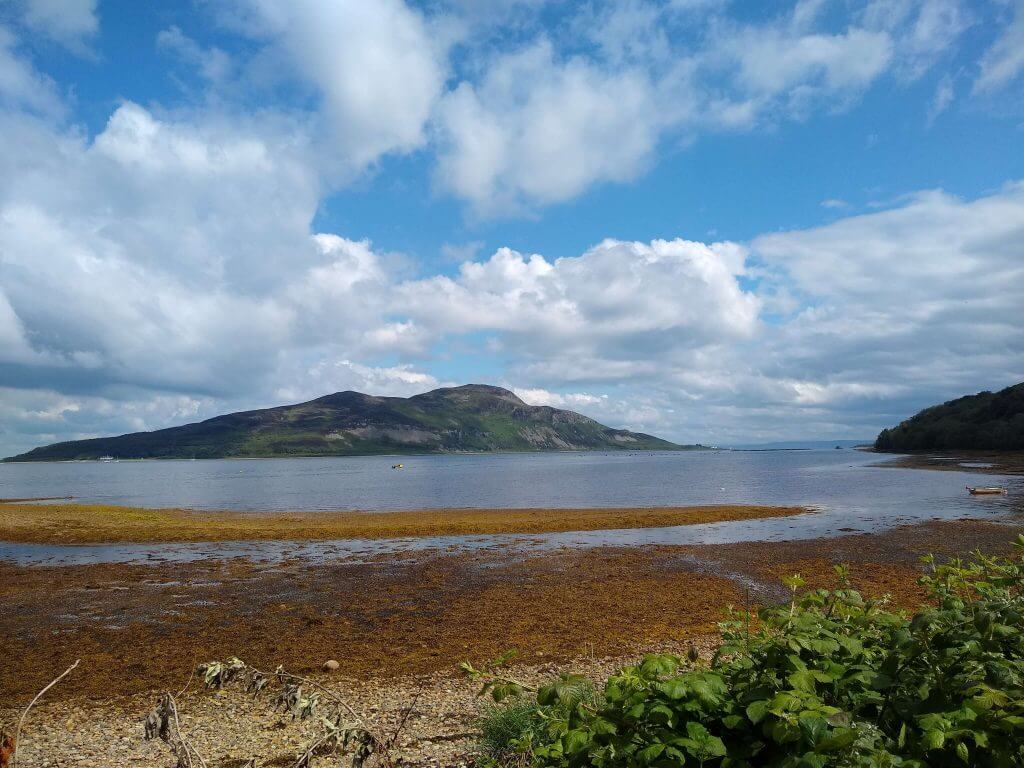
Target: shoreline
[(35, 523), (415, 454), (1000, 462), (398, 625), (144, 626)]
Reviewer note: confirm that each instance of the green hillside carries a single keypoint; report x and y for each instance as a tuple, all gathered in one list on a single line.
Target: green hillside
[(985, 421), (472, 418)]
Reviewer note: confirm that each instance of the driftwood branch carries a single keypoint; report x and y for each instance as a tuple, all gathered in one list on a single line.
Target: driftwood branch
[(17, 732)]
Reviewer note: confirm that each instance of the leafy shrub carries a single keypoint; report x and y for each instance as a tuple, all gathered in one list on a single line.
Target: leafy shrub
[(831, 679)]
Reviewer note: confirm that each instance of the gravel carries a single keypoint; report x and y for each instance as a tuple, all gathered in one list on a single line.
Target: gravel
[(229, 728)]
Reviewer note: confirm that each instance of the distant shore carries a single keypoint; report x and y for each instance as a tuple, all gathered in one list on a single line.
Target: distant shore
[(998, 462), (69, 523), (622, 451)]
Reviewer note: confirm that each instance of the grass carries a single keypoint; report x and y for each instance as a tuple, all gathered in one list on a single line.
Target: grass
[(69, 523), (501, 726), (503, 729)]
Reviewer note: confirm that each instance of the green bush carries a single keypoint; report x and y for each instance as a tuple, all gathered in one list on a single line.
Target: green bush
[(830, 680)]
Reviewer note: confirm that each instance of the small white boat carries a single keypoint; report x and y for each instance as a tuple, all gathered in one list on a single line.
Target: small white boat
[(982, 490), (107, 459)]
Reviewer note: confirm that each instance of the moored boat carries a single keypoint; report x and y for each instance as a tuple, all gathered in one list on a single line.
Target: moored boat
[(985, 490)]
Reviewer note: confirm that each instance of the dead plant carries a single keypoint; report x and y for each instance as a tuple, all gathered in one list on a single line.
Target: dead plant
[(340, 730)]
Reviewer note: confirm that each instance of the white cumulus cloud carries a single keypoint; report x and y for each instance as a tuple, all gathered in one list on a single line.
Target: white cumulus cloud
[(378, 69)]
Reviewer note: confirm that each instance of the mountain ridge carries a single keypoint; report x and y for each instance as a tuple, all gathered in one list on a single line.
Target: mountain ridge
[(473, 418)]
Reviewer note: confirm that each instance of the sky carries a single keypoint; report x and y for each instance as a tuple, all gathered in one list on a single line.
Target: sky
[(719, 222)]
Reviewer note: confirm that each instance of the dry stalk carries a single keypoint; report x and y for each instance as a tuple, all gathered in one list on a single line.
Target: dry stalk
[(163, 723), (405, 716), (342, 729), (17, 732)]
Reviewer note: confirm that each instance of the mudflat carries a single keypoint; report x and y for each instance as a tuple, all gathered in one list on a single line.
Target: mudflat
[(139, 627), (398, 625), (984, 462), (70, 523)]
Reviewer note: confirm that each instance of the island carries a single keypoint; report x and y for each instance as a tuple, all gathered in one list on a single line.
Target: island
[(474, 418)]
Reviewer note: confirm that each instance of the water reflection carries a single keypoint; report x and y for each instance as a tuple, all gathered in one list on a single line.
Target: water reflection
[(849, 495)]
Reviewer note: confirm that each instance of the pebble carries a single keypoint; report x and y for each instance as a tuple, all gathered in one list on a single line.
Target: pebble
[(231, 725)]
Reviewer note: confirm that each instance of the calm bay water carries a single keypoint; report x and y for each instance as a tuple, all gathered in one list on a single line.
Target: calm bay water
[(849, 493)]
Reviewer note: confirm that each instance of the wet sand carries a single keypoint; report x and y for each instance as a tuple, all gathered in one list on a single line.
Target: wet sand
[(68, 523)]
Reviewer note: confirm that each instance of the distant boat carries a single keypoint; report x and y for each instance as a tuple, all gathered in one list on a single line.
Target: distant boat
[(985, 490), (107, 458), (398, 466)]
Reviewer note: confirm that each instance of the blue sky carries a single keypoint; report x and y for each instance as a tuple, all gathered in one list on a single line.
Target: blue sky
[(718, 221)]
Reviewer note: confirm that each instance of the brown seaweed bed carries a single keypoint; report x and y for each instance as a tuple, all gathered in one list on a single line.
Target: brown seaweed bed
[(397, 625), (68, 523), (140, 627)]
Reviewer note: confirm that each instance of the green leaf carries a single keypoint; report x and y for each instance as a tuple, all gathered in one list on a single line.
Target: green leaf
[(697, 731), (793, 582), (575, 741), (803, 680), (732, 722), (933, 739), (813, 727), (757, 710), (649, 754), (674, 688), (675, 754), (838, 739), (658, 665), (660, 714)]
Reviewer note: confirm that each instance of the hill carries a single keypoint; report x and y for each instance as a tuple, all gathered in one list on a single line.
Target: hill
[(471, 418), (985, 421)]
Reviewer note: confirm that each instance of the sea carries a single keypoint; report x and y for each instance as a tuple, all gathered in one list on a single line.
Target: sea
[(848, 491)]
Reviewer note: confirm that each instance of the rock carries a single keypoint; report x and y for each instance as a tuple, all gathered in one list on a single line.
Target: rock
[(331, 665)]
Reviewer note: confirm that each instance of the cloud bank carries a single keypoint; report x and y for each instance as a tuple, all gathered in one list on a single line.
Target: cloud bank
[(166, 267)]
